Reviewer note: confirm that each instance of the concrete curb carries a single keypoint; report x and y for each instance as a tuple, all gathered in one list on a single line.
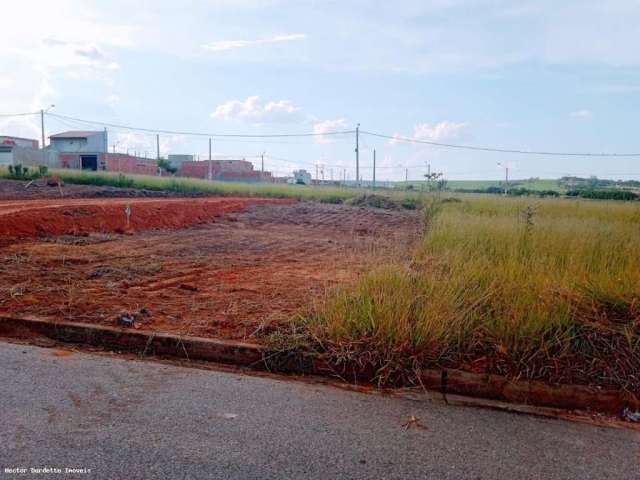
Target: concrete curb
[(568, 397), (132, 340)]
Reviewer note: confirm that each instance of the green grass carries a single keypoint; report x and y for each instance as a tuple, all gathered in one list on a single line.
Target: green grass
[(196, 186), (536, 185), (540, 289)]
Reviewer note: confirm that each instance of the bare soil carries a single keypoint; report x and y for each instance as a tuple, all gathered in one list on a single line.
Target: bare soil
[(27, 190), (219, 267)]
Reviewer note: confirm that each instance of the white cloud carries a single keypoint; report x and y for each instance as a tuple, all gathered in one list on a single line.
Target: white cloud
[(256, 112), (325, 126), (143, 144), (582, 114), (62, 54), (223, 45), (438, 132)]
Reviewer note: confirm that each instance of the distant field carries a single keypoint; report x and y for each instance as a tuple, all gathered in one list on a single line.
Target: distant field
[(542, 184)]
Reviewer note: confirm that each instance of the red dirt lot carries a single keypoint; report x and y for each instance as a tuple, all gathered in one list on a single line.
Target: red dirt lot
[(19, 218), (220, 267)]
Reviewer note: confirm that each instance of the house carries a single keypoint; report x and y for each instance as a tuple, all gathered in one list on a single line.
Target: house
[(87, 150), (80, 148)]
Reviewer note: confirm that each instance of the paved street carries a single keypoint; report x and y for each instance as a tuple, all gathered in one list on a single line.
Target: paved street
[(131, 419)]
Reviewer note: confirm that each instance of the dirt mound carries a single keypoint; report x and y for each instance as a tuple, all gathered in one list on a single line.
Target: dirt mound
[(54, 181), (80, 217), (380, 201)]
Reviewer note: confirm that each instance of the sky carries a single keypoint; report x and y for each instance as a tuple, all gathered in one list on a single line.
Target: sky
[(534, 75)]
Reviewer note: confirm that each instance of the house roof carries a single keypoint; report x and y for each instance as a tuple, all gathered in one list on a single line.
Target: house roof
[(75, 134), (12, 137)]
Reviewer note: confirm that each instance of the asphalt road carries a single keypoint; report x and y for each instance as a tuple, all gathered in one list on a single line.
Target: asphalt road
[(131, 419)]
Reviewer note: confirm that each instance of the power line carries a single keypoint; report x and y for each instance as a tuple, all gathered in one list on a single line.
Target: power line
[(499, 150), (198, 134), (7, 115)]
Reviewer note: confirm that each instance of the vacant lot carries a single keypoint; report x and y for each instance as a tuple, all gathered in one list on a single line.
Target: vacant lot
[(542, 289), (228, 267)]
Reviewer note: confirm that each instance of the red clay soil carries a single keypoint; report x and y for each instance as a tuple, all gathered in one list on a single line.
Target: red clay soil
[(236, 277), (20, 219)]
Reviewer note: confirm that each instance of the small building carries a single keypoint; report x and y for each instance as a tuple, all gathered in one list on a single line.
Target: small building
[(80, 148), (19, 142), (301, 177)]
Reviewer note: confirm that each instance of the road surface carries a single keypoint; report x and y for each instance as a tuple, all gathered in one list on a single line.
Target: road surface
[(137, 420)]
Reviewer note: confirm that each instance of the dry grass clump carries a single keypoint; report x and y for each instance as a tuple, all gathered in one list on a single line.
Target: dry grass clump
[(549, 291)]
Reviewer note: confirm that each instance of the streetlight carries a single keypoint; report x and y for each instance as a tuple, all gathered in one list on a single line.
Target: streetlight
[(42, 112), (506, 177)]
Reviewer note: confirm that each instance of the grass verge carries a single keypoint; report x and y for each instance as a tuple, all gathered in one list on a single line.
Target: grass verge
[(547, 291), (196, 186)]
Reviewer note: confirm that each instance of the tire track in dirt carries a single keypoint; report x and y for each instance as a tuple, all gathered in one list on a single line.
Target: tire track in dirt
[(252, 268)]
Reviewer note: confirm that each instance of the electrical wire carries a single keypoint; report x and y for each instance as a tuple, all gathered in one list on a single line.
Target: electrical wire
[(199, 134), (498, 150), (8, 115)]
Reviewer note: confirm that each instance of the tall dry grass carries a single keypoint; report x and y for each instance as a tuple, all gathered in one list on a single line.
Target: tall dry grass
[(545, 289)]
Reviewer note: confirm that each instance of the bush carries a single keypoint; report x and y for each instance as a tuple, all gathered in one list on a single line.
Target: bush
[(18, 172), (624, 195)]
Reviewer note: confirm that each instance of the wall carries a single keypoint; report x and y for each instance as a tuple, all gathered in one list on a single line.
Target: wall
[(28, 157), (95, 143), (228, 170), (115, 162), (31, 157), (69, 160)]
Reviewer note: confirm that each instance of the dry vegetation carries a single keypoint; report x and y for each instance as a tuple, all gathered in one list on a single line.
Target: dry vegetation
[(546, 290)]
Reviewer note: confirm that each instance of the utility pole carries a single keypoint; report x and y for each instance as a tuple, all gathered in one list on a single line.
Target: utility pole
[(42, 112), (157, 146), (262, 167), (210, 172), (42, 126), (374, 169), (406, 175), (506, 178), (317, 173), (428, 176), (358, 155)]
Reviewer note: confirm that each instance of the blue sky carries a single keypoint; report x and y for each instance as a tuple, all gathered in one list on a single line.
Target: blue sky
[(542, 75)]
